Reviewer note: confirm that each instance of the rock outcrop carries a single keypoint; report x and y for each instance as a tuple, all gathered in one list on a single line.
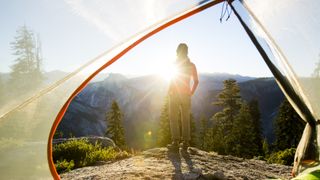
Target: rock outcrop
[(193, 164)]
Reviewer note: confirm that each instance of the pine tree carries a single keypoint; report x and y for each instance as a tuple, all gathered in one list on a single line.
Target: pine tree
[(205, 135), (203, 132), (265, 147), (26, 73), (288, 127), (230, 100), (255, 114), (316, 71), (243, 134), (218, 135), (208, 140), (164, 134), (193, 133), (115, 129), (1, 91)]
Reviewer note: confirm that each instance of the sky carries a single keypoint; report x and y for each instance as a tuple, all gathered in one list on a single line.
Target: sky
[(73, 32)]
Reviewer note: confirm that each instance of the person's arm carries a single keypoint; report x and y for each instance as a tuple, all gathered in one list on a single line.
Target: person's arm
[(195, 79)]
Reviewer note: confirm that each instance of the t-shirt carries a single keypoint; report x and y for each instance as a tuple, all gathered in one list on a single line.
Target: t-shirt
[(181, 82)]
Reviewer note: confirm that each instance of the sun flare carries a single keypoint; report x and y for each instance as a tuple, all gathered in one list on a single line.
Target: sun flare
[(168, 73)]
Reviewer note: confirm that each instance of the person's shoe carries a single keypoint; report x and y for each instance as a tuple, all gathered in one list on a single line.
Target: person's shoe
[(173, 147), (185, 145)]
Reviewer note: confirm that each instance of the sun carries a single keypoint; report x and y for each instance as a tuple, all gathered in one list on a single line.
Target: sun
[(168, 72)]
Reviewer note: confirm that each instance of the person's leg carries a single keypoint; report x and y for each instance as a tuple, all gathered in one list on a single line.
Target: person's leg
[(185, 120), (173, 116)]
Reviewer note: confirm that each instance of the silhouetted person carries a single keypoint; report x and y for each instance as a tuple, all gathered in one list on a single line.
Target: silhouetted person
[(180, 94)]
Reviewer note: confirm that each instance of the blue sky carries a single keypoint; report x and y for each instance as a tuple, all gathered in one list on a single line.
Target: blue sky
[(69, 40)]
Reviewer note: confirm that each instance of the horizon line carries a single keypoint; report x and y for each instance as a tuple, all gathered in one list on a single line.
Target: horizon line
[(137, 75)]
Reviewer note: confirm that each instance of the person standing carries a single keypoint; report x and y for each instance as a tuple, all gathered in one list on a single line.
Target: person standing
[(180, 93)]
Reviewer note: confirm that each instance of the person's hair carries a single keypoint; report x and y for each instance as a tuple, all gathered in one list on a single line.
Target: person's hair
[(182, 50)]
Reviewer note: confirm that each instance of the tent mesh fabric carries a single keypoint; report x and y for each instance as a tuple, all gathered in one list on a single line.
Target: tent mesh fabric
[(290, 39), (26, 120)]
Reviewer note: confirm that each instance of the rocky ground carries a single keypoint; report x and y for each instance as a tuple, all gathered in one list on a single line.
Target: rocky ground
[(158, 163)]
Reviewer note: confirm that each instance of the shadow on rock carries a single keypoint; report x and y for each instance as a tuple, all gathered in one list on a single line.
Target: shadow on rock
[(175, 159)]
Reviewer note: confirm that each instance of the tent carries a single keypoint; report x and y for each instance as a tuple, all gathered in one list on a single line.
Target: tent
[(286, 34)]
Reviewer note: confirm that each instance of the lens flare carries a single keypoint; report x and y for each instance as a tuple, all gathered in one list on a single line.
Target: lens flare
[(168, 73)]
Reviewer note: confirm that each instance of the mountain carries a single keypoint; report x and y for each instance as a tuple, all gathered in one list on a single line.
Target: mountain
[(269, 96), (141, 100), (53, 76), (193, 164)]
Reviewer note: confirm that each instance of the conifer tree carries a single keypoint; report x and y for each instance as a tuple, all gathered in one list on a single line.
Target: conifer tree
[(265, 147), (205, 135), (230, 100), (243, 134), (1, 91), (256, 117), (193, 133), (316, 71), (26, 72), (288, 127), (202, 132), (115, 129), (219, 136), (164, 134)]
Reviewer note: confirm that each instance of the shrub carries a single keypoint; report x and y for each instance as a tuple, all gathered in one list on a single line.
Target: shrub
[(75, 150), (259, 158), (284, 157), (79, 153), (64, 166)]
